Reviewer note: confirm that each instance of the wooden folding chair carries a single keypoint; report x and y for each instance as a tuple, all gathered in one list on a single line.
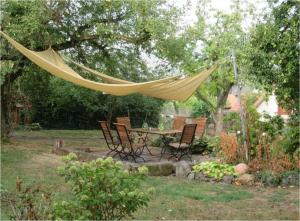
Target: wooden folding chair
[(125, 121), (178, 123), (113, 144), (201, 126), (130, 149), (184, 146)]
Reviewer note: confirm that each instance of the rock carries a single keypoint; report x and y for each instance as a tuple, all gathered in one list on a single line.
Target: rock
[(246, 179), (241, 168), (228, 179), (285, 181), (201, 177), (160, 169), (191, 176), (183, 169)]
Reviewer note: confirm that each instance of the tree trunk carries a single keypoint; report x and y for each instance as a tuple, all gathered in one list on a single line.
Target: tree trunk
[(6, 102), (221, 102), (5, 110), (219, 120)]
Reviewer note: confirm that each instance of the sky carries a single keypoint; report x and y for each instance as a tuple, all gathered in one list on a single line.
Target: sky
[(221, 5)]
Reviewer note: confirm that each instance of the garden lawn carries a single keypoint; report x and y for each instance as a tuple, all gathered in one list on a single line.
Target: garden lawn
[(29, 157)]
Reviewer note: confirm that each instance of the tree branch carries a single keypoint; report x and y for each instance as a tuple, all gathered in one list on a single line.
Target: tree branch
[(203, 98), (223, 95)]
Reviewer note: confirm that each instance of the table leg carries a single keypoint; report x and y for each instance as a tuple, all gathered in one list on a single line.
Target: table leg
[(145, 139), (165, 146)]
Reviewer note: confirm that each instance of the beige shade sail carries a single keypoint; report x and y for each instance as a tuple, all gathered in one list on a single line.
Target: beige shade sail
[(113, 80), (168, 88)]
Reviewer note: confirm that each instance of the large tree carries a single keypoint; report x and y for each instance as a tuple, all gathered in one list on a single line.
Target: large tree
[(217, 34), (273, 61), (112, 36)]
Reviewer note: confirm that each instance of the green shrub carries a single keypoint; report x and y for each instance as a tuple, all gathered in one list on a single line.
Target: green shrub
[(291, 141), (290, 178), (214, 169), (102, 190), (270, 178), (28, 203), (272, 125), (200, 146), (206, 144), (232, 122)]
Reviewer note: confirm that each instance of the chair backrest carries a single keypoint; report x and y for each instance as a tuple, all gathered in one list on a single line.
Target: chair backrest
[(188, 133), (201, 125), (123, 134), (125, 121), (178, 123), (106, 132)]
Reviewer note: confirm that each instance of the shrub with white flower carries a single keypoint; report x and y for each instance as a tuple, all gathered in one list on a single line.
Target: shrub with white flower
[(102, 190)]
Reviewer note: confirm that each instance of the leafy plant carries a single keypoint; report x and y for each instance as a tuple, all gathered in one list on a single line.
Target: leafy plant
[(29, 203), (291, 141), (102, 190), (206, 144), (270, 178), (214, 169)]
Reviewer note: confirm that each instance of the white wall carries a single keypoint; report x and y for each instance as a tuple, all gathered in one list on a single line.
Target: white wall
[(270, 106)]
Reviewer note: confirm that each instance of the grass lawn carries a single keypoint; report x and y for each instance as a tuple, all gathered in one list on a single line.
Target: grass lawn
[(29, 157)]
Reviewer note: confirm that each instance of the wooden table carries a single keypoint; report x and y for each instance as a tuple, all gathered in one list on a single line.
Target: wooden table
[(162, 134)]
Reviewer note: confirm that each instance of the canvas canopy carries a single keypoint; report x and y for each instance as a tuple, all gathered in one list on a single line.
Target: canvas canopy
[(167, 88)]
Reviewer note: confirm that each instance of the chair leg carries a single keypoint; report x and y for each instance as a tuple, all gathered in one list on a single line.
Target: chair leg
[(186, 152), (163, 151), (109, 153)]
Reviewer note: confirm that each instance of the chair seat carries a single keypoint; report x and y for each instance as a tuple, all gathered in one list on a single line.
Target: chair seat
[(178, 145)]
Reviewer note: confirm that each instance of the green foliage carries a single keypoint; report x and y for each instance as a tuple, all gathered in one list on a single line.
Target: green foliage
[(30, 203), (200, 109), (214, 169), (102, 190), (206, 144), (273, 59), (232, 122), (217, 39), (114, 38), (272, 125), (270, 178), (291, 136)]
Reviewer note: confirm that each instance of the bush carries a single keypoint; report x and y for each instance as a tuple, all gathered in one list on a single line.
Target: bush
[(214, 169), (270, 178), (102, 189), (29, 203), (232, 122), (206, 144), (291, 140)]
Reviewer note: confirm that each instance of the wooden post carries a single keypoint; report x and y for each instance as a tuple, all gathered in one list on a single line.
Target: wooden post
[(242, 112)]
